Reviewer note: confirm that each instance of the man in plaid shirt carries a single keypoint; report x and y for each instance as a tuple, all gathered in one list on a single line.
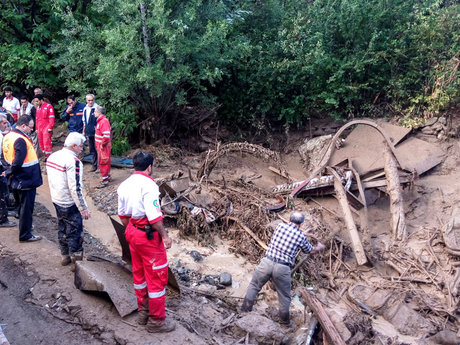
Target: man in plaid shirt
[(277, 263)]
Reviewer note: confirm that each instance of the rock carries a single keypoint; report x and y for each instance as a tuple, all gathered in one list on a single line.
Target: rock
[(261, 329), (443, 120), (196, 256), (184, 277), (437, 127), (209, 280), (431, 122), (428, 130), (225, 279)]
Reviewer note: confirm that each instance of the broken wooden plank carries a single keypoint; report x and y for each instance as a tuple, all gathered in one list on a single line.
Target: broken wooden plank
[(278, 171), (323, 318), (418, 155), (363, 215), (354, 201), (249, 231), (351, 226), (398, 218), (383, 182)]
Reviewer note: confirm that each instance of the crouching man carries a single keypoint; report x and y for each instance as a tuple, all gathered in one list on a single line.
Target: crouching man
[(277, 263), (65, 178), (139, 210)]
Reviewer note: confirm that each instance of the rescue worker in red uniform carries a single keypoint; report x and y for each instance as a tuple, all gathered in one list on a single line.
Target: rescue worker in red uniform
[(45, 124), (139, 210), (103, 145)]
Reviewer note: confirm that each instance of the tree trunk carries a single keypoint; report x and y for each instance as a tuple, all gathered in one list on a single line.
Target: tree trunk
[(398, 219), (351, 226), (148, 59)]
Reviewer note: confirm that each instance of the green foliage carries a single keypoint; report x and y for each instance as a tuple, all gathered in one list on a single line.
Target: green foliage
[(27, 28), (340, 57), (120, 146), (263, 64)]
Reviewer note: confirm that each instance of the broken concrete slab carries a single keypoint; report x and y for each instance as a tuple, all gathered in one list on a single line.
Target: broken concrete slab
[(105, 276)]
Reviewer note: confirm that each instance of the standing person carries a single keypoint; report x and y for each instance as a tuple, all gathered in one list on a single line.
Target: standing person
[(73, 113), (89, 127), (4, 193), (38, 91), (139, 210), (65, 178), (103, 145), (277, 263), (45, 124), (25, 173), (10, 103), (28, 109)]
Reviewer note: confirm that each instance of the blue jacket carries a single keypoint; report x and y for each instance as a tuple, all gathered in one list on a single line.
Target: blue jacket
[(75, 117)]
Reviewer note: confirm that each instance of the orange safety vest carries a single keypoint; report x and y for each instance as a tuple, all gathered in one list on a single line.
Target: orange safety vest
[(8, 149)]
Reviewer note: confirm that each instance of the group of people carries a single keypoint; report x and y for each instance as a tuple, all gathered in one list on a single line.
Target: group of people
[(88, 119), (138, 208)]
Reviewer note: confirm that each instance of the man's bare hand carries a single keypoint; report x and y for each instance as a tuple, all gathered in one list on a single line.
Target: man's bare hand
[(85, 214), (318, 248), (167, 242)]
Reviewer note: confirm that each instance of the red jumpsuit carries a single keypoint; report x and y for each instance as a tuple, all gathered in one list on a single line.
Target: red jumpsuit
[(103, 146), (138, 201), (44, 125)]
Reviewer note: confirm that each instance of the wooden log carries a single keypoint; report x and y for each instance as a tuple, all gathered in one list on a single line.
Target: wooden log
[(350, 223), (398, 218), (326, 323)]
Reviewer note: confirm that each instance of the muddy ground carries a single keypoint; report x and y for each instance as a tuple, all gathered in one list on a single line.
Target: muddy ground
[(40, 304)]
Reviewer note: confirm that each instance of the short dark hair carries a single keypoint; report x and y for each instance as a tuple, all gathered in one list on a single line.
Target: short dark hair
[(24, 120), (39, 97), (142, 160), (7, 89), (72, 97), (24, 97)]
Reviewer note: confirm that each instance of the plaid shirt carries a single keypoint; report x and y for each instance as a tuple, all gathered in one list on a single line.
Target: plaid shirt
[(286, 241)]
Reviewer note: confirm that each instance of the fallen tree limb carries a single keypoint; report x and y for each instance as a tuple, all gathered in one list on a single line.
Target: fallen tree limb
[(326, 323), (350, 223), (398, 218), (249, 231)]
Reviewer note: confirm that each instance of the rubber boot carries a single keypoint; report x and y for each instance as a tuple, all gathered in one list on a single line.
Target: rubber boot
[(143, 315), (166, 325), (74, 257), (65, 260)]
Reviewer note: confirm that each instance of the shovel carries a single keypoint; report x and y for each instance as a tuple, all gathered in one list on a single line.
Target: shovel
[(126, 254)]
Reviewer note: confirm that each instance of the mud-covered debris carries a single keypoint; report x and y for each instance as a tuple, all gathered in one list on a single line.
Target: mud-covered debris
[(261, 330)]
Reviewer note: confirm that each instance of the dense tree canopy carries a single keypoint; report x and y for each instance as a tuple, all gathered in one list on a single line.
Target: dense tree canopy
[(259, 63)]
